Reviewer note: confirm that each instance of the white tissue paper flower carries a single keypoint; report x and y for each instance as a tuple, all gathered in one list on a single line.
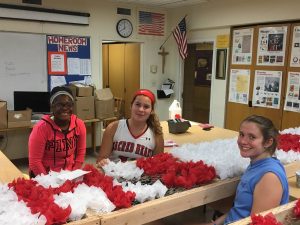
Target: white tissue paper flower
[(223, 155), (289, 156), (144, 192), (295, 130), (51, 179), (84, 197), (14, 212), (127, 170)]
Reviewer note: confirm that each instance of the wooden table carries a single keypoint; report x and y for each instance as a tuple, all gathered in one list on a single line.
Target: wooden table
[(8, 171), (93, 123), (294, 190), (93, 132), (179, 202), (195, 134), (169, 205)]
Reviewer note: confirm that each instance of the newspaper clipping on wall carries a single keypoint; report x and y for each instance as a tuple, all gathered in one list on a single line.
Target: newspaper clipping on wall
[(295, 53), (271, 46), (239, 86), (242, 46), (292, 98), (267, 89)]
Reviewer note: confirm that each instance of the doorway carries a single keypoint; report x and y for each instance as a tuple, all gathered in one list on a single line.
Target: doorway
[(121, 71), (197, 82)]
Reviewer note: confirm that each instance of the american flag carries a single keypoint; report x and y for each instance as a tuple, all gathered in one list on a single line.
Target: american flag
[(179, 34), (151, 23)]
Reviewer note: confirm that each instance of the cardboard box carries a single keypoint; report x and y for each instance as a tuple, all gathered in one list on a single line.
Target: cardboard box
[(85, 107), (3, 114), (19, 118), (73, 90), (104, 103), (83, 90)]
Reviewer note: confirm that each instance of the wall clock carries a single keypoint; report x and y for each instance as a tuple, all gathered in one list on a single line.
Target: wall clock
[(124, 28)]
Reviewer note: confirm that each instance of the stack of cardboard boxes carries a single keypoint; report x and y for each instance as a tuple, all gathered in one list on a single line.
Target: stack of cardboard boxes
[(104, 103), (84, 101), (90, 103), (11, 119)]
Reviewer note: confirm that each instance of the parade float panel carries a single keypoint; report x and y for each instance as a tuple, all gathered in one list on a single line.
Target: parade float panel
[(283, 214), (169, 205), (152, 210), (179, 202), (9, 172)]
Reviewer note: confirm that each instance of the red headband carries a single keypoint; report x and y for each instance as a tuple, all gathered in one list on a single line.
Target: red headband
[(147, 93)]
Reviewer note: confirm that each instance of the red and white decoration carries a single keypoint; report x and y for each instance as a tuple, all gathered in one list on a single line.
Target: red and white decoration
[(50, 199)]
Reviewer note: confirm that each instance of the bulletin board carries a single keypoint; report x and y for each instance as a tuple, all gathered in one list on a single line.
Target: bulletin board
[(291, 115), (268, 62), (68, 59), (22, 64)]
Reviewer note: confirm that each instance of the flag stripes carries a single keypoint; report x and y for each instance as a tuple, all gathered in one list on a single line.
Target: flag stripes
[(179, 34), (151, 23)]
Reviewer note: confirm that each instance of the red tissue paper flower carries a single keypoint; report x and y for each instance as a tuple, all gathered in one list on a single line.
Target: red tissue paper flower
[(175, 173), (40, 200), (115, 194), (157, 164), (268, 219), (288, 142), (297, 209), (68, 186)]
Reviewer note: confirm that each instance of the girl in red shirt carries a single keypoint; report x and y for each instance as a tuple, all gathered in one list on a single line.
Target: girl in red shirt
[(58, 141)]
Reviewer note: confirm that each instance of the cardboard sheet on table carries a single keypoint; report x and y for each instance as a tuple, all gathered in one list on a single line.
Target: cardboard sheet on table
[(71, 175)]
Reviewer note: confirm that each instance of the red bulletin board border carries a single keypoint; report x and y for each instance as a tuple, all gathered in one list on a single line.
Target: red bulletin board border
[(50, 72)]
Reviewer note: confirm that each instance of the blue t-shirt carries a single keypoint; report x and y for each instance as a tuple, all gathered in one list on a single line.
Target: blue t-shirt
[(244, 194)]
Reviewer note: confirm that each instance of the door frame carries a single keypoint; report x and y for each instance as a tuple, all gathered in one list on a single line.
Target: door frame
[(197, 41), (122, 42)]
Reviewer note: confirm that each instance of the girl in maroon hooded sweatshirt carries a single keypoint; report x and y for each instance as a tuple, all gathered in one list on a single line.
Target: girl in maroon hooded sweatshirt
[(57, 141)]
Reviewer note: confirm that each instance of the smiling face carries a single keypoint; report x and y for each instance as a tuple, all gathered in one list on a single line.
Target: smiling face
[(251, 142), (141, 108), (62, 108)]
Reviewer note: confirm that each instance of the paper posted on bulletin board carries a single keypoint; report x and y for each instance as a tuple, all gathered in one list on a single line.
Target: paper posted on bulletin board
[(292, 98), (267, 89), (239, 86), (69, 60)]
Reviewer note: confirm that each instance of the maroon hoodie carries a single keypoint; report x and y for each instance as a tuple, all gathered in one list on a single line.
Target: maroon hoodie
[(52, 149)]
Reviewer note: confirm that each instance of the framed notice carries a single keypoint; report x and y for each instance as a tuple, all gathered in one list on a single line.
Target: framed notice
[(242, 46), (267, 89), (57, 63), (295, 53), (292, 98), (239, 86), (221, 64), (271, 46)]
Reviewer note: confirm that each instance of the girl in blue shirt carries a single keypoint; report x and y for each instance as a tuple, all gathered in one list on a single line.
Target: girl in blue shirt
[(264, 184)]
